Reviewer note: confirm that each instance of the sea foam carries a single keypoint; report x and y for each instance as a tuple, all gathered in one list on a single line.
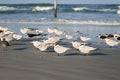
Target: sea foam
[(80, 8), (38, 8), (64, 21), (93, 10), (118, 12), (6, 8)]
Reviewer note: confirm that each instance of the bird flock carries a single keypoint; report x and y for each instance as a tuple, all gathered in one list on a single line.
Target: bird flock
[(53, 38)]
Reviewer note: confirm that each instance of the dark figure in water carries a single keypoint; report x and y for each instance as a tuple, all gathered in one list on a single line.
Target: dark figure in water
[(4, 44)]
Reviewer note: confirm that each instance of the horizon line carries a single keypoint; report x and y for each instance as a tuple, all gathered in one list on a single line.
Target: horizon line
[(62, 3)]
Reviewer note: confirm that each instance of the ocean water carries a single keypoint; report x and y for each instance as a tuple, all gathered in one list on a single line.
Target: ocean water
[(90, 19)]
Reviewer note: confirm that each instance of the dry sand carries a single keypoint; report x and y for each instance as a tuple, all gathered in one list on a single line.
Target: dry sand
[(23, 62)]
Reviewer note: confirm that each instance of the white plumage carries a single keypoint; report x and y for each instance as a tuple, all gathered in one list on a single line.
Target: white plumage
[(40, 45), (58, 32), (50, 30), (83, 38), (25, 30), (9, 37), (68, 36), (3, 28), (43, 46), (86, 49), (76, 44), (36, 43), (60, 49), (111, 42), (53, 39), (17, 37)]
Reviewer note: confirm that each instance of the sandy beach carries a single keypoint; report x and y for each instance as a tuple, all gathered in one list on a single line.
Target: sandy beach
[(22, 61)]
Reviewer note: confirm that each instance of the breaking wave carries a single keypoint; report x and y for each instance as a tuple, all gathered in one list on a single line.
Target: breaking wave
[(93, 10), (118, 7), (6, 8), (39, 8), (31, 8), (80, 8), (118, 12)]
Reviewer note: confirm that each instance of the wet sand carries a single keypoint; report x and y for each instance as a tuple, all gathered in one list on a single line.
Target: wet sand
[(22, 61)]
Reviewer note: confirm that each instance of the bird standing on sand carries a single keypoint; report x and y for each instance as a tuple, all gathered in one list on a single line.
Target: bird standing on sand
[(83, 38), (86, 49), (4, 44), (50, 30), (117, 37), (76, 44), (60, 49), (36, 43), (111, 42), (57, 32), (67, 35), (43, 46), (101, 36)]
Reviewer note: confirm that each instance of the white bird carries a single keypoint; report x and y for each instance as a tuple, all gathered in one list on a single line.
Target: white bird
[(68, 36), (9, 37), (8, 32), (3, 28), (50, 30), (40, 45), (86, 49), (83, 38), (76, 44), (58, 32), (36, 43), (2, 34), (111, 42), (17, 37), (53, 39), (43, 46), (60, 49), (117, 36), (25, 30), (28, 30)]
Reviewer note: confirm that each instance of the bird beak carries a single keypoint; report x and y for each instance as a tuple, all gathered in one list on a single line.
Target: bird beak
[(52, 44)]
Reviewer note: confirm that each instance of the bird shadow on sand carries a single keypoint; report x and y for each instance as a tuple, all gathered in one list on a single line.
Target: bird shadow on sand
[(92, 54), (72, 54), (19, 44), (98, 54), (20, 48)]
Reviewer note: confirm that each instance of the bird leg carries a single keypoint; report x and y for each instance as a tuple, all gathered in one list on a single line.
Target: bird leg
[(58, 54), (110, 47), (5, 48)]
